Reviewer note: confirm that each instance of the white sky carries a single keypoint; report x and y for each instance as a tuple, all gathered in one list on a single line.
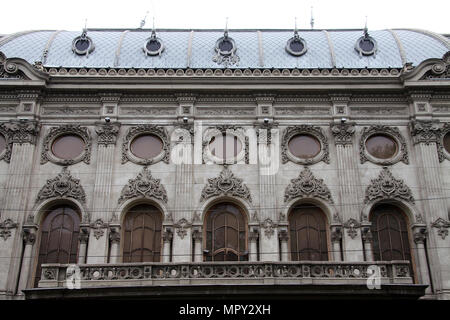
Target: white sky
[(20, 15)]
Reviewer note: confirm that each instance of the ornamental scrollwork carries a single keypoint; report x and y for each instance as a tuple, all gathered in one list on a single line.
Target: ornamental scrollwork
[(442, 227), (62, 186), (314, 131), (306, 185), (22, 131), (385, 186), (10, 70), (5, 228), (439, 70), (107, 133), (151, 129), (6, 153), (225, 184), (143, 186), (425, 132), (392, 132), (70, 129)]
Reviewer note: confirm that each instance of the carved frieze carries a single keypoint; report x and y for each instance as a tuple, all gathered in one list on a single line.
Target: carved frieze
[(225, 184), (70, 129), (62, 186), (306, 185), (314, 131), (22, 131), (107, 133), (143, 186), (385, 186), (343, 133), (151, 129), (5, 228), (392, 132)]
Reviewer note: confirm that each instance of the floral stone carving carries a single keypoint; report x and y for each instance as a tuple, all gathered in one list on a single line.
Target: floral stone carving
[(387, 187), (64, 185), (442, 226), (306, 185), (5, 228), (143, 186)]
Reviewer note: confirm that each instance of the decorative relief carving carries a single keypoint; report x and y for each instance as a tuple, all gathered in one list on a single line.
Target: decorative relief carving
[(316, 132), (70, 111), (134, 132), (6, 154), (210, 111), (28, 236), (425, 132), (10, 70), (98, 227), (5, 228), (394, 133), (442, 227), (56, 132), (379, 111), (366, 234), (181, 226), (150, 111), (352, 227), (336, 234), (221, 130), (343, 133), (440, 70), (143, 186), (420, 234), (387, 187), (63, 186), (293, 111), (107, 133), (269, 227), (167, 235), (22, 131), (283, 235), (225, 184), (306, 185), (84, 235), (442, 153)]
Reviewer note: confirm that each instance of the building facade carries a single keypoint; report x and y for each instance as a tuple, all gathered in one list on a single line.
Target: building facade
[(305, 163)]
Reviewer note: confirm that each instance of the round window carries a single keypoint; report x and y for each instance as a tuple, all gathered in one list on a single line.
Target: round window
[(153, 46), (2, 143), (82, 45), (366, 45), (146, 146), (304, 146), (447, 142), (68, 147), (296, 46), (381, 146), (225, 45), (225, 146)]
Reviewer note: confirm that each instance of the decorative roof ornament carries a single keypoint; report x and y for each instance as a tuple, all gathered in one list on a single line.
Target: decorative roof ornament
[(153, 46), (296, 45), (366, 45), (226, 50), (83, 45)]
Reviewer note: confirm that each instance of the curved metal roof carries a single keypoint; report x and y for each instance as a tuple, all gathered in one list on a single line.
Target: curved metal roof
[(255, 48)]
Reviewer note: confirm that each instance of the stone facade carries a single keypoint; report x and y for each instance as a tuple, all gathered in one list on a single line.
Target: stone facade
[(411, 105)]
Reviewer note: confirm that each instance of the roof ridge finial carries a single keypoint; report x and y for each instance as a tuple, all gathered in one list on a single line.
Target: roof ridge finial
[(225, 32), (142, 24), (312, 17), (295, 28), (366, 30), (153, 28), (84, 32)]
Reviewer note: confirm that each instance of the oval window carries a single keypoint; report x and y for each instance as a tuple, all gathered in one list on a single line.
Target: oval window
[(225, 146), (2, 143), (68, 147), (304, 146), (146, 146), (381, 146), (447, 142)]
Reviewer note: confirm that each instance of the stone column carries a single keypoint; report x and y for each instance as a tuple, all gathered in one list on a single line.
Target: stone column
[(82, 249), (23, 136), (167, 240), (336, 240), (283, 236), (426, 137), (114, 239), (253, 245), (29, 239), (420, 235), (102, 209), (367, 240), (349, 186), (198, 245)]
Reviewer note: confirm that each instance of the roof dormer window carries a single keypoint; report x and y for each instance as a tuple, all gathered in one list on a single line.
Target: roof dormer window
[(153, 46), (83, 45), (366, 45)]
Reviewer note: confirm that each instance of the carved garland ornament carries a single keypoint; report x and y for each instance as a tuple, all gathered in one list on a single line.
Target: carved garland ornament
[(387, 187), (56, 132), (225, 184), (6, 153), (143, 186), (63, 186), (316, 132), (392, 132), (134, 132), (306, 185)]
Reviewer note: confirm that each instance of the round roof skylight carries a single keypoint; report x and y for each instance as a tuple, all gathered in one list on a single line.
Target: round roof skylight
[(296, 46), (82, 45)]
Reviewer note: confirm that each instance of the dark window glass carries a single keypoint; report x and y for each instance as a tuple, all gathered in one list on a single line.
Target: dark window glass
[(304, 146), (82, 45), (366, 45), (153, 45), (142, 234), (447, 142), (226, 234), (68, 147), (226, 45), (146, 146), (225, 146), (296, 46), (308, 234), (59, 238), (390, 234), (381, 146), (2, 143)]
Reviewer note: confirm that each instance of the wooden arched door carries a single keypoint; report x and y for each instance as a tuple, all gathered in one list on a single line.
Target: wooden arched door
[(226, 234), (308, 233), (58, 238), (390, 233), (142, 234)]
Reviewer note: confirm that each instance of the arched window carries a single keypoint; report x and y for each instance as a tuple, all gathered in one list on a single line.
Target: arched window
[(58, 238), (142, 234), (226, 234), (390, 233), (308, 233)]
